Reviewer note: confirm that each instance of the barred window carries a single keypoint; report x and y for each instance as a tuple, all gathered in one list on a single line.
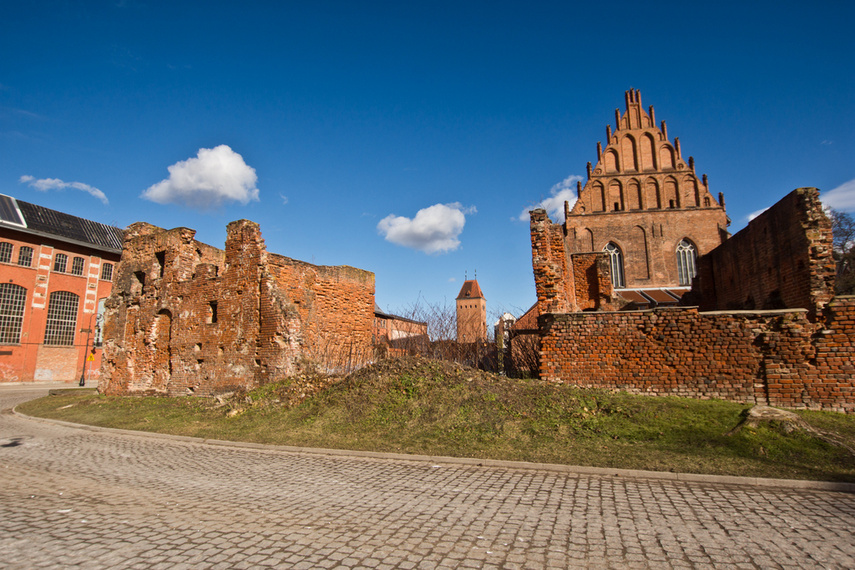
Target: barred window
[(12, 300), (25, 256), (77, 266), (615, 264), (59, 262), (107, 272), (687, 257), (5, 252), (61, 318)]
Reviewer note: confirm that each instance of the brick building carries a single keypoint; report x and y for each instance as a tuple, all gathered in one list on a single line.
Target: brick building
[(645, 206), (186, 317), (394, 335), (471, 313), (57, 272)]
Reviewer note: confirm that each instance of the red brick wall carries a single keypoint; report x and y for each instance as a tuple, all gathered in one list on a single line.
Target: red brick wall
[(775, 357), (782, 259), (188, 318), (29, 360)]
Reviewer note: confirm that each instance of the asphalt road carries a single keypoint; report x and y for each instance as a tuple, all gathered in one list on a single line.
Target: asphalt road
[(73, 497)]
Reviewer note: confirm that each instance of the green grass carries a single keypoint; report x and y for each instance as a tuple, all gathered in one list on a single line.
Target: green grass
[(436, 408)]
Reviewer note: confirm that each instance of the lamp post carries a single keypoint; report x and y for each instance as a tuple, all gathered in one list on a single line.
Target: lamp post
[(86, 358)]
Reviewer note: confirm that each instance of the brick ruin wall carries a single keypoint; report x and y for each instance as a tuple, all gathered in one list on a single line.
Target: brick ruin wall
[(185, 317), (799, 357), (779, 358), (782, 259)]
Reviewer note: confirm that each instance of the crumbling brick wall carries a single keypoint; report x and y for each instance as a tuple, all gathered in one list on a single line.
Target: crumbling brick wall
[(782, 259), (779, 358), (185, 317)]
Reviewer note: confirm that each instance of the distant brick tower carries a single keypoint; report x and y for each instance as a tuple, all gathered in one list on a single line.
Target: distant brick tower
[(471, 313)]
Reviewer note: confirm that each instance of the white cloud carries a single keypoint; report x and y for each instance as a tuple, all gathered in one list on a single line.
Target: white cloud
[(756, 213), (564, 191), (434, 229), (215, 176), (284, 199), (841, 198), (45, 184)]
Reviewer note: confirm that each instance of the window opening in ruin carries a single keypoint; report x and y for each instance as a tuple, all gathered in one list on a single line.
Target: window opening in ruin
[(77, 266), (61, 318), (107, 272), (615, 264), (212, 312), (161, 261), (25, 256), (687, 258), (60, 262), (12, 300), (5, 252)]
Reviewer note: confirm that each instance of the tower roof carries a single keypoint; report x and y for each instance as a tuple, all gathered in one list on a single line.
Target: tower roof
[(470, 290)]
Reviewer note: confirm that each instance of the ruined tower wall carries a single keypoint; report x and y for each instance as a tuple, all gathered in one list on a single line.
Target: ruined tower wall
[(185, 317), (782, 259)]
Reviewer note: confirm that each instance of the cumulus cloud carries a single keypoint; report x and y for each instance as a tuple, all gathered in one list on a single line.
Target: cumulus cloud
[(434, 229), (841, 198), (215, 176), (564, 191), (45, 184)]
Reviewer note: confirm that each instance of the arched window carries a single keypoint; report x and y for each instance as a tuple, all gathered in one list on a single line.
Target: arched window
[(5, 252), (12, 301), (687, 257), (61, 318), (615, 264)]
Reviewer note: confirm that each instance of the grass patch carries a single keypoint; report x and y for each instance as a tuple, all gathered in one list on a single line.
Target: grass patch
[(438, 408)]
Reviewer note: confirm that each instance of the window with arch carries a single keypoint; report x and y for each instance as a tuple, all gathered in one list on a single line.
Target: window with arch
[(687, 261), (12, 300), (61, 318), (5, 252), (60, 262), (25, 256), (77, 266), (615, 264)]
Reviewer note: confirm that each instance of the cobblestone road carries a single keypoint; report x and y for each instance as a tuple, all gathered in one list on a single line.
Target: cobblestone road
[(76, 498)]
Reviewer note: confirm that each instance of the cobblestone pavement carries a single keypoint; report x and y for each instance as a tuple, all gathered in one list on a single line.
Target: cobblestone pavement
[(76, 498)]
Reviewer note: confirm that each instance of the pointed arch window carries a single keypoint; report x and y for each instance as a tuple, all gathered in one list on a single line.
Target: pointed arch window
[(615, 264), (687, 261)]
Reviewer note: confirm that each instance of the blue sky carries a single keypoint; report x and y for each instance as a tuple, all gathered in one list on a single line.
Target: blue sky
[(406, 138)]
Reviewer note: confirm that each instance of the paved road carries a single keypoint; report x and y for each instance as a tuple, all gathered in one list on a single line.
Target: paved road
[(76, 498)]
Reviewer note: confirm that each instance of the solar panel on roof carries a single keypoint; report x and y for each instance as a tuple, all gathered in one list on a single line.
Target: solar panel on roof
[(9, 211)]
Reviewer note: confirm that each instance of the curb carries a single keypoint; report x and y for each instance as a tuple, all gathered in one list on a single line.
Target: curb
[(496, 463)]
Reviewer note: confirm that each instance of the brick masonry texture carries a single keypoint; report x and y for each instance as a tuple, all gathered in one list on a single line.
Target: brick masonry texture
[(779, 358), (783, 258), (185, 317)]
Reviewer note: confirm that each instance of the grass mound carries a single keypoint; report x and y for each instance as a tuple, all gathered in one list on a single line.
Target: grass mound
[(420, 406)]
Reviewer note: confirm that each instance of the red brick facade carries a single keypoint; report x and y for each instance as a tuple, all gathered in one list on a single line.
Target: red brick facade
[(642, 197), (185, 317), (31, 274), (471, 308)]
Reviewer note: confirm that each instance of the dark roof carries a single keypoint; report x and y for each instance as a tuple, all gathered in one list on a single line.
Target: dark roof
[(44, 221), (470, 290)]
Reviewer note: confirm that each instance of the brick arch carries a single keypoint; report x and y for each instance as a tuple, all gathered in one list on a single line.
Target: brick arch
[(634, 195), (586, 240), (612, 161), (647, 153), (666, 157), (670, 193), (637, 261), (691, 191), (628, 153), (652, 195), (615, 201), (598, 197)]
